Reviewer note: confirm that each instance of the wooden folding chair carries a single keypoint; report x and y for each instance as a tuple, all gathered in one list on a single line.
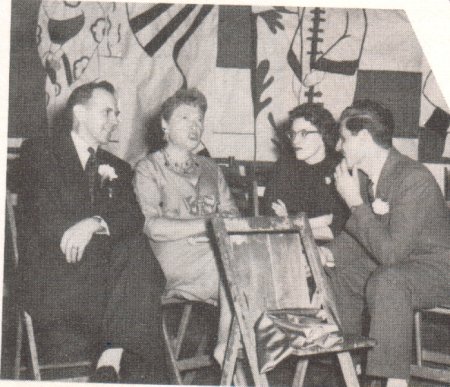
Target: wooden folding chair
[(264, 262), (25, 320), (183, 369), (241, 179), (431, 364)]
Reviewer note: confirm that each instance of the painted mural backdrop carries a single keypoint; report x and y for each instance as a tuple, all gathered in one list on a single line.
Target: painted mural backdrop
[(253, 63)]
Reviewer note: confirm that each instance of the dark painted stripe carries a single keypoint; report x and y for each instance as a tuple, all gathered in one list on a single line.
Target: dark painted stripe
[(60, 31), (234, 42), (204, 11), (140, 21), (67, 69), (345, 67), (161, 37)]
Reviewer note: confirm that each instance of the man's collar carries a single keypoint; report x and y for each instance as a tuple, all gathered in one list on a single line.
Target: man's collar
[(81, 147), (80, 143), (378, 167)]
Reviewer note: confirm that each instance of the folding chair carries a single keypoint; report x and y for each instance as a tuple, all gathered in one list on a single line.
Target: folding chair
[(264, 259), (183, 369), (431, 364), (25, 320), (240, 176)]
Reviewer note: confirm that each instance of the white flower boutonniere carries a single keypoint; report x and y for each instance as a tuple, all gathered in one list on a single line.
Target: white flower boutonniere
[(327, 180), (380, 207), (107, 172)]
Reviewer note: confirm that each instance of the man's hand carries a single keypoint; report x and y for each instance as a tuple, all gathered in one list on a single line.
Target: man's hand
[(77, 237), (348, 185), (280, 208)]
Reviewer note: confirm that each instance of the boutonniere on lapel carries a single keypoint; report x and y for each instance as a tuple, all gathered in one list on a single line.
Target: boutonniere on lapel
[(107, 174), (380, 207), (328, 180)]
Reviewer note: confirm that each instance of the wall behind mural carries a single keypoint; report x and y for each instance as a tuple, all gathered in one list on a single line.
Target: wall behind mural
[(253, 63)]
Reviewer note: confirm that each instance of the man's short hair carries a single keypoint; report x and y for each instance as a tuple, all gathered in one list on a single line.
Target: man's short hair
[(191, 97), (82, 94), (321, 118), (373, 116)]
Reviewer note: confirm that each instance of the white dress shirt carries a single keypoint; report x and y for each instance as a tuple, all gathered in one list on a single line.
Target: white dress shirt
[(83, 154)]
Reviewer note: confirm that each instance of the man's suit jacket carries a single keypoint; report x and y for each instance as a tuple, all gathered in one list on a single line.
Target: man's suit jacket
[(55, 196), (416, 227)]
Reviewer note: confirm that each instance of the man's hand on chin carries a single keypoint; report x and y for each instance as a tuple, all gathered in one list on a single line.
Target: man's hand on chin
[(348, 185), (77, 237)]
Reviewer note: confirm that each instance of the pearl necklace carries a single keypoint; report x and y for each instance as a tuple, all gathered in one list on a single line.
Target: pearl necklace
[(188, 167)]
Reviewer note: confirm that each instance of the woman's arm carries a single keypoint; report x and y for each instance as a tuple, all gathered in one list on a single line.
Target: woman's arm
[(157, 226)]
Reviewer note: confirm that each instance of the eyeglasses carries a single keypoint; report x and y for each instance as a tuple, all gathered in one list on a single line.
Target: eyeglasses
[(292, 135)]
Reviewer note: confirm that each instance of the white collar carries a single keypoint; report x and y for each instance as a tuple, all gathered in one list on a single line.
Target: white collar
[(82, 148)]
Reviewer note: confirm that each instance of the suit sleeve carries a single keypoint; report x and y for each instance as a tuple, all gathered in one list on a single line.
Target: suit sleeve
[(40, 194), (393, 241), (340, 213)]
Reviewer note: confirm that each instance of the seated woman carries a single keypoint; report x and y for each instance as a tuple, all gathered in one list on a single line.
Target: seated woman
[(178, 192), (302, 179)]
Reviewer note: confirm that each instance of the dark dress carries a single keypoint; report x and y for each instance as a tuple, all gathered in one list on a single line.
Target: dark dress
[(307, 188)]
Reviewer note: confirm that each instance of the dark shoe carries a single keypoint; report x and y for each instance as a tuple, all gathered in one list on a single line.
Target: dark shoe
[(104, 375)]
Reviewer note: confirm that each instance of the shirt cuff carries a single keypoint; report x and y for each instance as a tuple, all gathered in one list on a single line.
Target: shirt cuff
[(105, 228)]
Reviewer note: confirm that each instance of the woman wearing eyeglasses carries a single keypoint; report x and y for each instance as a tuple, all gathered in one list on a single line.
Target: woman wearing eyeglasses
[(302, 179)]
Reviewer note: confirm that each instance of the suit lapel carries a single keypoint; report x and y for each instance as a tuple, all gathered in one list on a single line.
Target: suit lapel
[(73, 174), (385, 186)]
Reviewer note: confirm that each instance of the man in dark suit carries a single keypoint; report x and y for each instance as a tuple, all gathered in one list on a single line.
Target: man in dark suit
[(86, 263), (394, 255)]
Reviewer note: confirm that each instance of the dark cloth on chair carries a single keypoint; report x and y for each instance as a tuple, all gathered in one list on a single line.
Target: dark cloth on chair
[(113, 293), (393, 263)]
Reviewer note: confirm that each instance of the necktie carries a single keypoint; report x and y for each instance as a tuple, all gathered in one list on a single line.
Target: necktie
[(92, 173), (370, 191)]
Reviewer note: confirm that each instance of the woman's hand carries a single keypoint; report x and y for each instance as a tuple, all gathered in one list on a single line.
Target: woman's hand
[(280, 208)]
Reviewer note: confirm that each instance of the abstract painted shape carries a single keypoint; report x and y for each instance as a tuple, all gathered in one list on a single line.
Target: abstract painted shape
[(100, 28), (259, 84), (79, 66), (60, 31)]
